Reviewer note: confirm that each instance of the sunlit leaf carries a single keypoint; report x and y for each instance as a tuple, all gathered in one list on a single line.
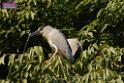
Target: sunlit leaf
[(2, 59), (32, 15), (24, 81), (12, 59), (26, 75), (34, 1), (95, 46)]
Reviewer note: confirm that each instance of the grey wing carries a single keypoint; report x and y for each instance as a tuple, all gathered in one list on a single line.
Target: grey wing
[(62, 44)]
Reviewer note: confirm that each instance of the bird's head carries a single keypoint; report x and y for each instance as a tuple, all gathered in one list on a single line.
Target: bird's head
[(37, 32), (42, 31)]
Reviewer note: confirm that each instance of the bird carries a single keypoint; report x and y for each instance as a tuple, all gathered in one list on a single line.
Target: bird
[(76, 47), (56, 40)]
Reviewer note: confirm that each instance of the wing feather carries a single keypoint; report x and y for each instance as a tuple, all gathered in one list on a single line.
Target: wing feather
[(62, 44)]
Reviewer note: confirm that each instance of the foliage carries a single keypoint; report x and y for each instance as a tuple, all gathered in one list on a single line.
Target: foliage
[(97, 23)]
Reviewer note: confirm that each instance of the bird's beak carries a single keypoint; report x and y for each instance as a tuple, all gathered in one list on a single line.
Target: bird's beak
[(35, 33)]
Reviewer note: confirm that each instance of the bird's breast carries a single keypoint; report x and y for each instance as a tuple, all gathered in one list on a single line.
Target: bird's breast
[(51, 44)]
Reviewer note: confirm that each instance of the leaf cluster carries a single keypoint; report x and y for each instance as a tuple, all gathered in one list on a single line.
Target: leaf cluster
[(98, 24)]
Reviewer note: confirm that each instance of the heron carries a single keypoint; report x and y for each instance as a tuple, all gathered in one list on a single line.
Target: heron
[(76, 47), (56, 40)]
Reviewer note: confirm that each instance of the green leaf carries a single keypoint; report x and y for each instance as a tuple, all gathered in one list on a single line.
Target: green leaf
[(29, 66), (84, 53), (90, 34), (34, 1), (112, 50), (11, 59), (95, 46), (26, 76), (24, 81), (103, 28), (29, 1), (32, 15), (2, 59)]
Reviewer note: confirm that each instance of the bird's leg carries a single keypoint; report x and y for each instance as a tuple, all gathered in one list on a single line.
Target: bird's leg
[(56, 50), (48, 62)]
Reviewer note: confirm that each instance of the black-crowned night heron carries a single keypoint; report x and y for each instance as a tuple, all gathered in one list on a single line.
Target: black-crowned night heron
[(76, 47), (57, 41)]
